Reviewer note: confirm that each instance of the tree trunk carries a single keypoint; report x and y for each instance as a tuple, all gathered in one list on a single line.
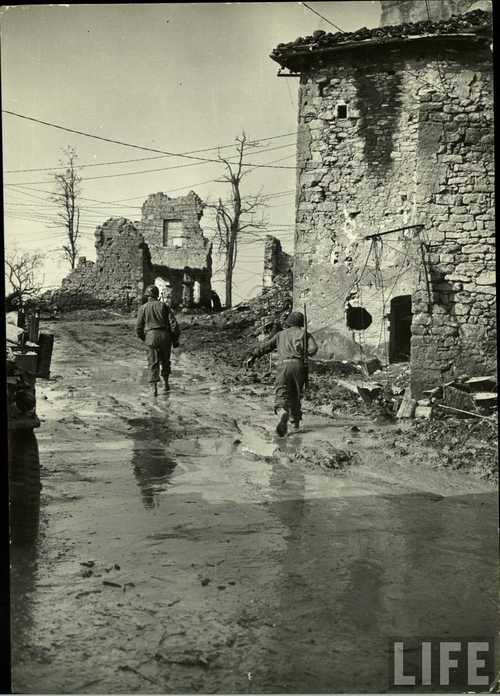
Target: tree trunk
[(229, 276)]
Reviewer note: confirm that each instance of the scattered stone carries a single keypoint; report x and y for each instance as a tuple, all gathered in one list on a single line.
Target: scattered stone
[(423, 412), (407, 407), (205, 581), (109, 583)]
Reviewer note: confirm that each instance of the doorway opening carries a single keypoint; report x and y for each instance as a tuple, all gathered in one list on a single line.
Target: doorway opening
[(400, 329)]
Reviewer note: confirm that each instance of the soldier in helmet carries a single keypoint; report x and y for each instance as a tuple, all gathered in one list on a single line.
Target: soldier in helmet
[(157, 327), (290, 344)]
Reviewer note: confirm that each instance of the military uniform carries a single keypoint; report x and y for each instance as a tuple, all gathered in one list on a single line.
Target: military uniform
[(157, 327), (290, 375)]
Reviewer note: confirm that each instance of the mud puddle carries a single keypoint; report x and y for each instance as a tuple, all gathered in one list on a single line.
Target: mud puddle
[(183, 547)]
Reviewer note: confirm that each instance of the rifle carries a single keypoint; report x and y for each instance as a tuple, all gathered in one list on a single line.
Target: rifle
[(305, 357)]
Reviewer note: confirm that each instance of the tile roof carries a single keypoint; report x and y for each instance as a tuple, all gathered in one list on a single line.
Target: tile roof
[(477, 23)]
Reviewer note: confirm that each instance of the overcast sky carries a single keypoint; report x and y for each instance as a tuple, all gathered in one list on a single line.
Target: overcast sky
[(176, 77)]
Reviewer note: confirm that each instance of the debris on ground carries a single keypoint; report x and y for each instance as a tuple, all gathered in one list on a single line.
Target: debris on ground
[(325, 455), (468, 445)]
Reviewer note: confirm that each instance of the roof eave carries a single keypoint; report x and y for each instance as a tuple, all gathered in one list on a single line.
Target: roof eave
[(308, 51)]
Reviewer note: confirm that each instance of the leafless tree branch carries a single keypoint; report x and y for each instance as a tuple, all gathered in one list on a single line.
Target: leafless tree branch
[(66, 197)]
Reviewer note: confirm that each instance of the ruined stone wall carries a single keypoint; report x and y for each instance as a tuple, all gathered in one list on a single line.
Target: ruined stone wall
[(77, 289), (276, 261), (122, 265), (384, 143), (118, 276), (404, 11), (180, 249)]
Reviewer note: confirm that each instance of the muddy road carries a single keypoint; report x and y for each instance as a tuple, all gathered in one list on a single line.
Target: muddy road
[(181, 547)]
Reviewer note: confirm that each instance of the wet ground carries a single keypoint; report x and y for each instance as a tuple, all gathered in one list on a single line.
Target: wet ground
[(183, 548)]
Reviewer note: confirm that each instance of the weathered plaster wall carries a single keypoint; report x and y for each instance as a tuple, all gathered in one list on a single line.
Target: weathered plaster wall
[(403, 11), (416, 147), (276, 261)]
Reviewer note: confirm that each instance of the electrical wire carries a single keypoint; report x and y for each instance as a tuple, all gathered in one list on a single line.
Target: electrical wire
[(304, 4), (132, 145), (149, 171), (145, 159)]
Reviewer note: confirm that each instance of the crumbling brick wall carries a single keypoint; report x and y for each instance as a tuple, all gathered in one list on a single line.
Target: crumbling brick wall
[(276, 261), (391, 138), (180, 253)]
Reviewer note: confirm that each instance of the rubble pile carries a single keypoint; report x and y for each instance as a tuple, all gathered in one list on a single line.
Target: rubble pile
[(465, 396), (225, 338), (465, 445), (326, 456)]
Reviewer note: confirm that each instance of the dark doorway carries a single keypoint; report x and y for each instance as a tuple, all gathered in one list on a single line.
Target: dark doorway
[(400, 329)]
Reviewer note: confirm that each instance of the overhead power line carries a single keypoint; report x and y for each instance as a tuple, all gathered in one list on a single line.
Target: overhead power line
[(133, 145), (149, 171), (144, 159), (304, 4)]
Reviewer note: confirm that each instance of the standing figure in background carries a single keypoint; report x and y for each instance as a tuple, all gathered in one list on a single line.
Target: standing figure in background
[(291, 369), (157, 327)]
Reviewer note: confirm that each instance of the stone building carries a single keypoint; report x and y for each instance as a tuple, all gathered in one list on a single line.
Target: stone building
[(180, 254), (117, 277), (403, 11), (276, 261), (396, 131), (166, 248)]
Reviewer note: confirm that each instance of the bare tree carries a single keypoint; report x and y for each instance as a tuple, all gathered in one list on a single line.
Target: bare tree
[(237, 215), (66, 198), (22, 273)]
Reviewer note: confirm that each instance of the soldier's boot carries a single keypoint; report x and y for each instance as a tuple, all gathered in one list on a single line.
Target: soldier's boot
[(166, 384), (282, 426), (154, 388)]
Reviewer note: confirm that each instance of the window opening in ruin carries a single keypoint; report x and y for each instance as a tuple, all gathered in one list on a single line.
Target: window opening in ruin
[(342, 111), (400, 329), (173, 233), (357, 318)]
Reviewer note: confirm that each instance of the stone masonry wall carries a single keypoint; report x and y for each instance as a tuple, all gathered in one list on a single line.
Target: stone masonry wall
[(123, 264), (403, 11), (454, 327), (184, 266), (188, 210), (117, 278), (415, 147), (276, 261)]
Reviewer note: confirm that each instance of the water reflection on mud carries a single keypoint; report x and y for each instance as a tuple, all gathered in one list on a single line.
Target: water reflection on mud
[(24, 488), (24, 514), (152, 466)]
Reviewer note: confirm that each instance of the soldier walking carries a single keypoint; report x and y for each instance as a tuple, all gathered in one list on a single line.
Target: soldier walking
[(157, 327), (293, 345)]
